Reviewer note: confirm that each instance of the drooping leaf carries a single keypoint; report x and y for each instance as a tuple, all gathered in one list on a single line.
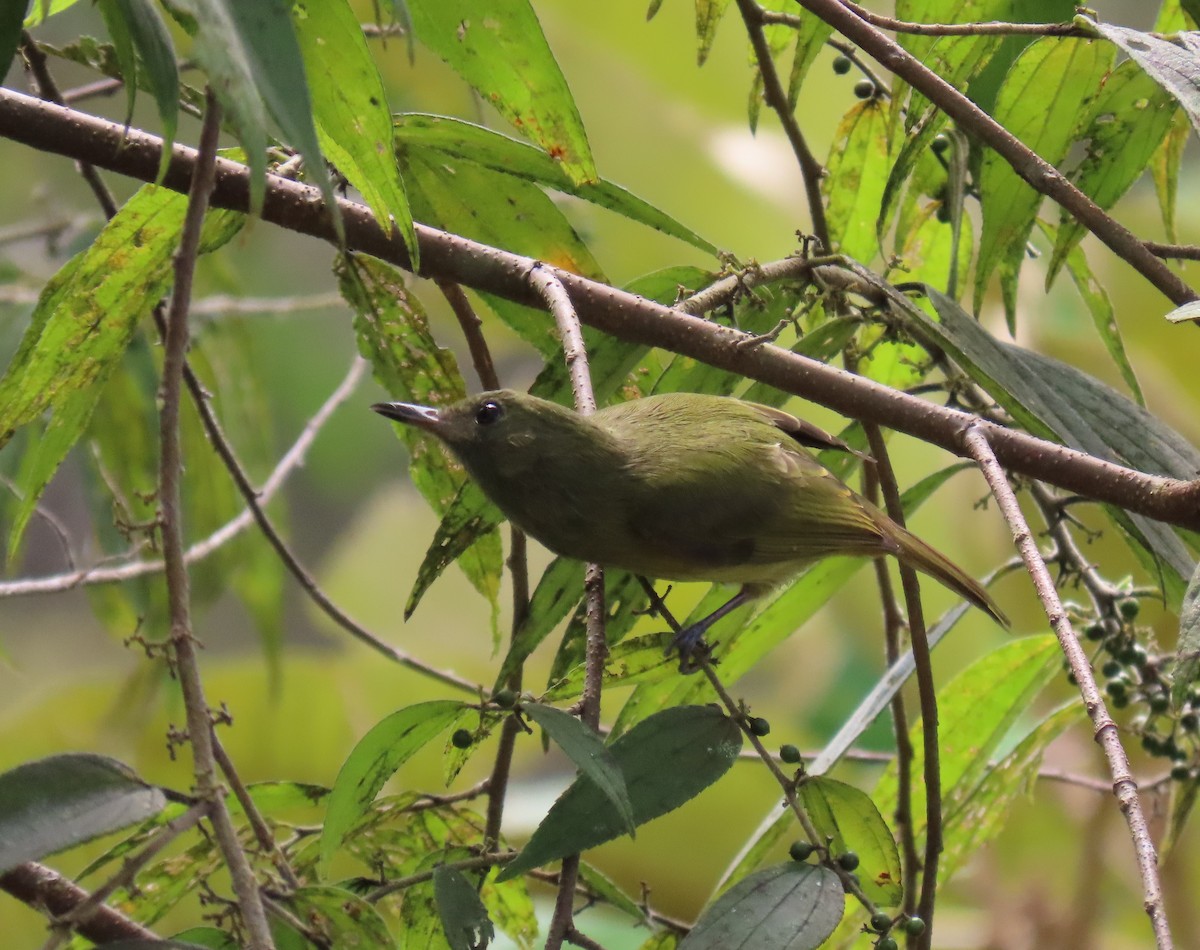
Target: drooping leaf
[(1164, 167), (1185, 668), (667, 760), (1173, 66), (1045, 94), (64, 800), (12, 16), (351, 111), (791, 906), (156, 52), (858, 167), (465, 920), (376, 757), (474, 143), (708, 17), (501, 51), (350, 920), (589, 754)]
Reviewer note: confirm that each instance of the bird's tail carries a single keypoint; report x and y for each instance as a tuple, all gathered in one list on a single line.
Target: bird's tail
[(917, 554)]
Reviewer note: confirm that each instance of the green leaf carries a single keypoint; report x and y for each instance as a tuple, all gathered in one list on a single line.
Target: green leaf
[(976, 710), (84, 321), (209, 937), (810, 40), (1054, 400), (464, 918), (589, 753), (558, 590), (64, 800), (857, 171), (394, 335), (1046, 92), (1104, 316), (350, 108), (376, 757), (501, 51), (349, 920), (791, 906), (510, 906), (1164, 167), (11, 16), (1130, 118), (849, 820), (608, 891), (116, 22), (667, 760), (1185, 668), (152, 40), (508, 156), (708, 18)]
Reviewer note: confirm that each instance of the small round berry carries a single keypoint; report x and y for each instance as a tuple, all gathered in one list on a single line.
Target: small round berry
[(1112, 668), (758, 726), (1094, 631), (881, 923), (914, 926), (1181, 772), (864, 89), (1159, 703), (504, 698), (886, 943), (1129, 608), (789, 754), (1189, 722), (1152, 744), (801, 850), (940, 144), (841, 65), (847, 861), (462, 738)]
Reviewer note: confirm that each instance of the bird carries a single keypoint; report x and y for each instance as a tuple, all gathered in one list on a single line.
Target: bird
[(675, 486)]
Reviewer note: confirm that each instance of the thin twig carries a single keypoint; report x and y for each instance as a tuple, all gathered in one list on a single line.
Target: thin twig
[(290, 461), (776, 97), (1185, 252), (989, 28), (558, 302), (926, 690), (183, 645), (1124, 786), (490, 860)]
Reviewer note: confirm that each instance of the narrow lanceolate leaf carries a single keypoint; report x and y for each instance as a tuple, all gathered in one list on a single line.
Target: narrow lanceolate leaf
[(1104, 314), (152, 41), (667, 760), (789, 906), (393, 333), (65, 800), (11, 16), (474, 143), (82, 325), (465, 920), (1131, 117), (1164, 167), (976, 710), (501, 51), (589, 753), (253, 61), (351, 110), (353, 921), (849, 820), (858, 169), (1046, 92), (1055, 400), (1173, 66), (1185, 669), (708, 18), (376, 757), (810, 40)]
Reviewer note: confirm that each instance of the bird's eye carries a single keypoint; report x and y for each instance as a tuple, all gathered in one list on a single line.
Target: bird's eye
[(488, 412)]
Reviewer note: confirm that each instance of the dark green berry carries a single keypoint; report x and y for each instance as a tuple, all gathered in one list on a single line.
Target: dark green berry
[(864, 89), (1129, 608), (758, 726), (943, 214), (886, 943), (789, 754), (1072, 678), (881, 923), (914, 926), (1120, 702), (504, 698), (1181, 772), (1094, 631), (940, 144), (462, 738), (841, 65), (1112, 668), (1152, 744), (1134, 654), (1189, 722), (1117, 686), (1159, 703), (847, 861), (801, 850)]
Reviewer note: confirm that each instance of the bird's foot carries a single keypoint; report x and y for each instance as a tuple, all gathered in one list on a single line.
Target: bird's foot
[(694, 651)]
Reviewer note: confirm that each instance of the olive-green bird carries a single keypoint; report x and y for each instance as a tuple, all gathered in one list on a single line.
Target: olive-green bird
[(679, 486)]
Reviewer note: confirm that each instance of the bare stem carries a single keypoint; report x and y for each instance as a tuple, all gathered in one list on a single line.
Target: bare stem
[(1124, 786)]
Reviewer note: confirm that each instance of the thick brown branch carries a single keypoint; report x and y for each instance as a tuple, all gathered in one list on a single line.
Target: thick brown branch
[(448, 257)]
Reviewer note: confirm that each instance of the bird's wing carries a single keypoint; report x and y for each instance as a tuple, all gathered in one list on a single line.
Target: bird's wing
[(804, 432)]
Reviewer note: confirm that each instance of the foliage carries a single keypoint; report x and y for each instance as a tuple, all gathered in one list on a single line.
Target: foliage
[(927, 222)]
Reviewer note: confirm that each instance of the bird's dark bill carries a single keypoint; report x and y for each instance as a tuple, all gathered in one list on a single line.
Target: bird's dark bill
[(423, 417)]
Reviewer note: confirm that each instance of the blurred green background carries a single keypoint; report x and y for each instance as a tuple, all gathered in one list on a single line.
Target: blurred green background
[(677, 136)]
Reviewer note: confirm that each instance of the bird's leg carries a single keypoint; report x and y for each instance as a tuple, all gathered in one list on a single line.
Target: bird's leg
[(690, 640)]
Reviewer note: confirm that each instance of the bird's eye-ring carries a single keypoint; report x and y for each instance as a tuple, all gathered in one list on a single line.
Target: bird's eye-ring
[(488, 412)]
